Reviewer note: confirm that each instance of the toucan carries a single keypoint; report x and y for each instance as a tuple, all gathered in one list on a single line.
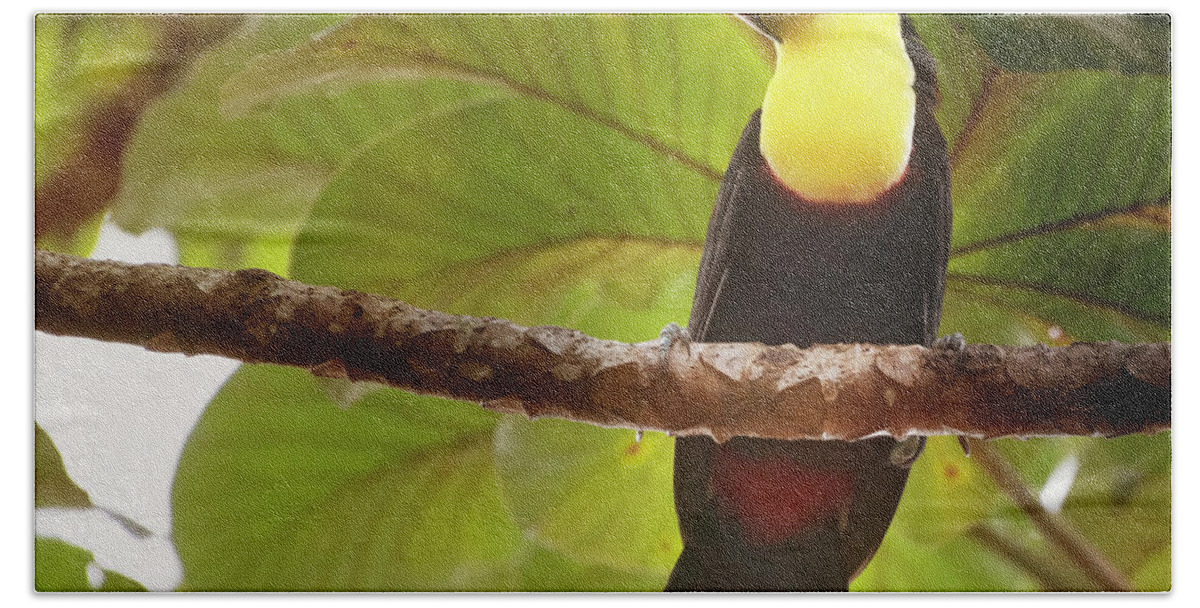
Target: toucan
[(832, 225)]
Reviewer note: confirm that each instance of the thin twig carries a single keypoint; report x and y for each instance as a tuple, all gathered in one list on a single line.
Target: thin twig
[(1047, 573), (1053, 526)]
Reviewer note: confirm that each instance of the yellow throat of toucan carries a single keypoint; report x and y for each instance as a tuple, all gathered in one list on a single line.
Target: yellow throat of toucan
[(837, 120)]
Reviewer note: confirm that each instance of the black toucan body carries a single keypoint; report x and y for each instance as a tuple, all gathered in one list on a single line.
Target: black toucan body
[(854, 265)]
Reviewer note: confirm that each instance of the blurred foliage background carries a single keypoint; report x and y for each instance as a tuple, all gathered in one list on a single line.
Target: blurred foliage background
[(561, 170)]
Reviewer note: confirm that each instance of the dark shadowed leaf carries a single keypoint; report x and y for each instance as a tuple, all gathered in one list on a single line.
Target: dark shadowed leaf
[(1132, 44), (80, 61), (59, 566), (52, 486)]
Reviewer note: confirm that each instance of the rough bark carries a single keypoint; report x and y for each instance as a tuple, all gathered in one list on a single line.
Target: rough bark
[(844, 391)]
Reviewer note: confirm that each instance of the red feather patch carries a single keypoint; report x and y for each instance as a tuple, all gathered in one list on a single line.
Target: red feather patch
[(775, 497)]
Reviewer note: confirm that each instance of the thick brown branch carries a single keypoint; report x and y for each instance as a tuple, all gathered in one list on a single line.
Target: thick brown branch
[(840, 391)]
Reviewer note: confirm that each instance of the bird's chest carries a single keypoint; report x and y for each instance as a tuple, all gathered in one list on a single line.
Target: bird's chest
[(806, 273)]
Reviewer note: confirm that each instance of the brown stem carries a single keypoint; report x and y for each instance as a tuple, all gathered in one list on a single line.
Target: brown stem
[(85, 183), (1053, 526)]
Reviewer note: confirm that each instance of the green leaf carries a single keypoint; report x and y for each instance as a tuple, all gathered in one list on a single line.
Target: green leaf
[(529, 158), (673, 83), (1059, 171), (232, 191), (1012, 314), (546, 571), (115, 581), (955, 565), (1118, 270), (59, 566), (520, 200), (1155, 574), (1132, 44), (280, 489), (52, 486), (946, 494), (608, 504), (1061, 150), (81, 243)]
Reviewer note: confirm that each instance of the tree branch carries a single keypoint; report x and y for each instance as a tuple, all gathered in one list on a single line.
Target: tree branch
[(845, 391)]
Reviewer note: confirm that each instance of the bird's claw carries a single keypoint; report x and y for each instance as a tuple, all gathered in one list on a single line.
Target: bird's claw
[(905, 453), (954, 342), (671, 335)]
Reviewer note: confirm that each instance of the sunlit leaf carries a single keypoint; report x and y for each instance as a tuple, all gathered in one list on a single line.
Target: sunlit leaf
[(946, 494), (233, 191), (524, 201), (592, 494), (279, 488)]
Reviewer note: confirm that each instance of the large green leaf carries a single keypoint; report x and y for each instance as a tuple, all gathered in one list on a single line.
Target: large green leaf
[(1120, 500), (1059, 148), (540, 195), (1057, 237), (519, 155), (278, 488), (600, 505), (672, 83), (233, 191)]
